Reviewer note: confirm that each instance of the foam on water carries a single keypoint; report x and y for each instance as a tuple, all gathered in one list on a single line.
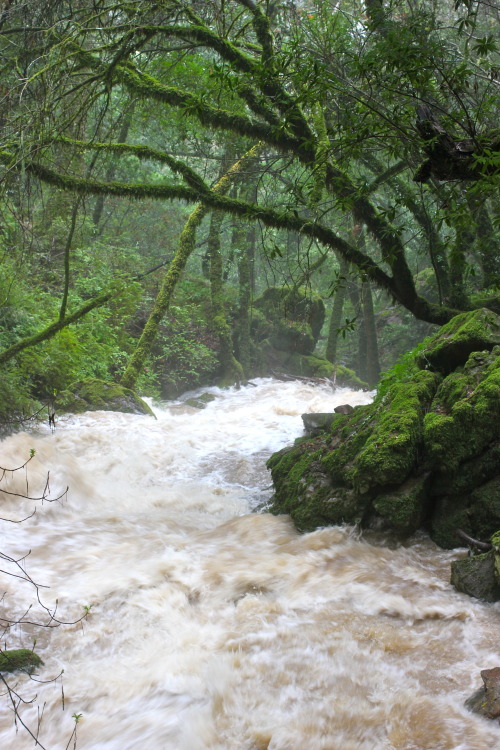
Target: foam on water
[(215, 628)]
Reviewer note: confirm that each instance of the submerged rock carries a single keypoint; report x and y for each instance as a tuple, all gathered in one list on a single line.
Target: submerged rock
[(425, 453), (201, 401), (20, 659), (92, 394)]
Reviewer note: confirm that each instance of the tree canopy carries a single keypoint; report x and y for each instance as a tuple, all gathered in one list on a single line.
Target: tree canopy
[(377, 117)]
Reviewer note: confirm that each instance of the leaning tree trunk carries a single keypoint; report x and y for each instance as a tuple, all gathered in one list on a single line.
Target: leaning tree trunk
[(184, 250)]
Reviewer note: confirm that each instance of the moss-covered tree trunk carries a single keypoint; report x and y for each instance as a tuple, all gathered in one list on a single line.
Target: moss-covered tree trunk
[(335, 324), (355, 298), (241, 246), (185, 248), (372, 366), (230, 369)]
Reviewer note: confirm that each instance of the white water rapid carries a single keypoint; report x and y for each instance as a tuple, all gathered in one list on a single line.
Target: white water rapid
[(213, 627)]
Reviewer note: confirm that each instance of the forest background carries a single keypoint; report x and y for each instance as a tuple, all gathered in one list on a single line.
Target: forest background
[(165, 163)]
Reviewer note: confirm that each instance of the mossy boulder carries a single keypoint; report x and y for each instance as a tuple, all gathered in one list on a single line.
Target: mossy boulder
[(92, 394), (289, 319), (466, 333), (425, 453), (364, 456), (20, 659)]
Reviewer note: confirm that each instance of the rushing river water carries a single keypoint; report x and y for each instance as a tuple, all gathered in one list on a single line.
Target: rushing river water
[(213, 627)]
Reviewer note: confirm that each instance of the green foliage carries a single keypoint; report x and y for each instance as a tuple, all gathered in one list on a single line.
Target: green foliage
[(184, 355)]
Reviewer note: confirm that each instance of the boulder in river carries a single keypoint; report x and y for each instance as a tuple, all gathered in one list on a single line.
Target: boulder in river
[(92, 394), (285, 328), (19, 660), (486, 700), (424, 454)]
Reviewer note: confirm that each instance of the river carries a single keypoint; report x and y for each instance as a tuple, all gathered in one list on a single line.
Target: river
[(215, 627)]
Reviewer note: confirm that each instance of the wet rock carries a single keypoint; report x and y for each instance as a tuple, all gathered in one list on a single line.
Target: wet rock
[(344, 409), (200, 402), (21, 659), (317, 422), (402, 510), (486, 700), (476, 576), (92, 394)]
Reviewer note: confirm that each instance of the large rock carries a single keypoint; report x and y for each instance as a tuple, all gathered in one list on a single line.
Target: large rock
[(92, 394), (476, 576), (486, 700), (425, 453), (291, 319)]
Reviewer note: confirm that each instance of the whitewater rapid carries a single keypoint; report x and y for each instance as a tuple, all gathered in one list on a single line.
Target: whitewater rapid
[(214, 625)]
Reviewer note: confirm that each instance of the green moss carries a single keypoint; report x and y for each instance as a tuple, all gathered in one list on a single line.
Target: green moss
[(393, 447), (92, 394), (485, 509), (464, 334), (404, 509), (294, 318), (469, 475), (473, 421), (19, 659)]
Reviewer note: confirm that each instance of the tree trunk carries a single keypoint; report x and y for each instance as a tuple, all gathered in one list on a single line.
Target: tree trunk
[(184, 250), (230, 369), (372, 369), (336, 315)]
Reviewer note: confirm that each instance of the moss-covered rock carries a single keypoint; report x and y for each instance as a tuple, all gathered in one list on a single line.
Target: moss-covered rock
[(426, 453), (455, 341), (20, 659), (92, 394), (289, 319), (465, 414), (404, 509)]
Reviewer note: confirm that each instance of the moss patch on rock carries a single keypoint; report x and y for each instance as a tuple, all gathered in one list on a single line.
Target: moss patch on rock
[(20, 659), (455, 341), (92, 394)]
